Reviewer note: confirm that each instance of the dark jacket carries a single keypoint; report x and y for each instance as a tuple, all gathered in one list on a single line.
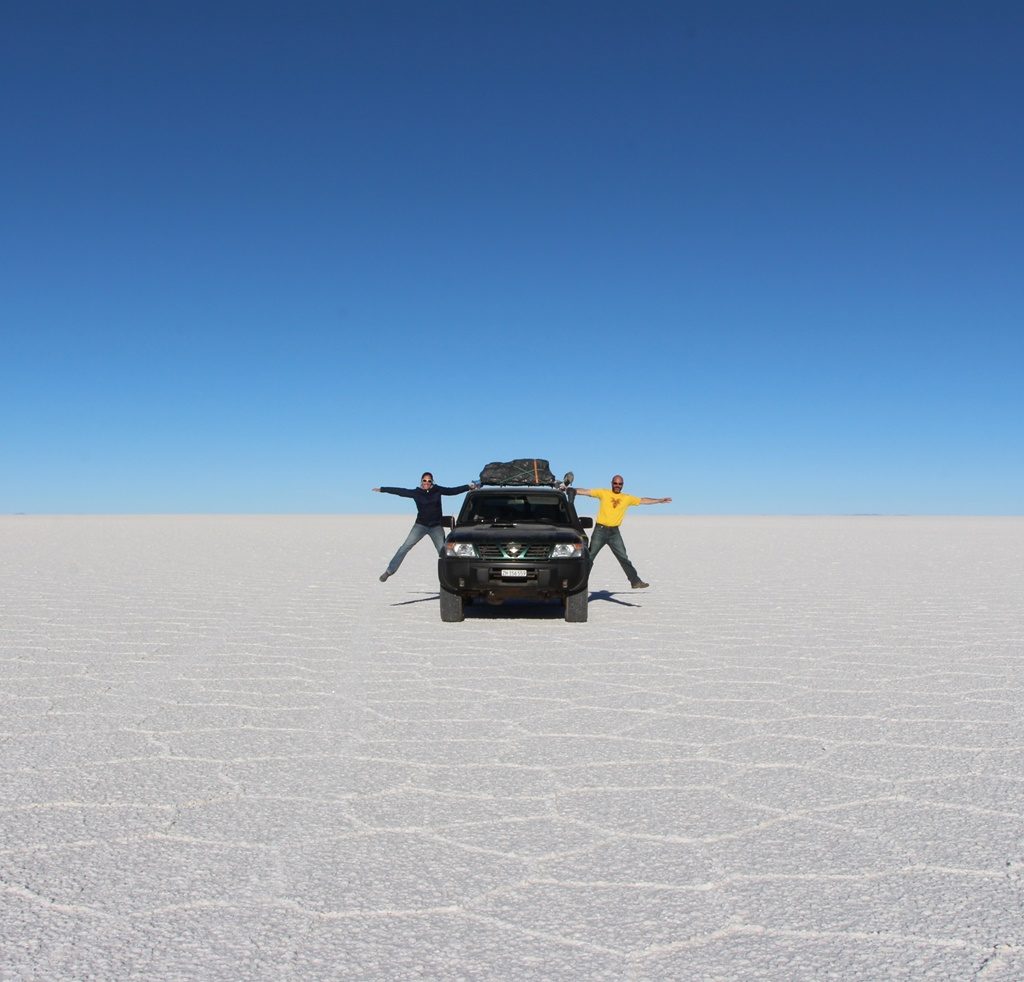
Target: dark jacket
[(428, 503)]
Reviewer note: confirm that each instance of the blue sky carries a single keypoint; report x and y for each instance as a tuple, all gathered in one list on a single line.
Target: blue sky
[(262, 257)]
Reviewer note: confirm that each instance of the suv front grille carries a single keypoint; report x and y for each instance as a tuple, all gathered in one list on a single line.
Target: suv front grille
[(513, 550)]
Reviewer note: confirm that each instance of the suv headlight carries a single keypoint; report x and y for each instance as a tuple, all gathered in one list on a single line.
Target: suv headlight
[(567, 550), (460, 550)]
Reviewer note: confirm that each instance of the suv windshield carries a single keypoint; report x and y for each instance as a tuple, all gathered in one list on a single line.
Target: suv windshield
[(515, 509)]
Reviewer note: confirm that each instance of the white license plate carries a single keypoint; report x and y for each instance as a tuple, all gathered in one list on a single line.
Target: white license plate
[(514, 573)]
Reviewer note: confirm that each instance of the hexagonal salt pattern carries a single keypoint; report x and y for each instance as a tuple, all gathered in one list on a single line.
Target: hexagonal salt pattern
[(229, 752)]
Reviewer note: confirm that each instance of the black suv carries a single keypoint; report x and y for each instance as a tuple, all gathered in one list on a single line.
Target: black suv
[(525, 542)]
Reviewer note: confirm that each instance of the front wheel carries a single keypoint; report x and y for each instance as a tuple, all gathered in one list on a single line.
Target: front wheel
[(452, 610), (576, 606)]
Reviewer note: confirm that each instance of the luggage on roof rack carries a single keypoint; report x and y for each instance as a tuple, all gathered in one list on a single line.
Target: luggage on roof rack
[(522, 470)]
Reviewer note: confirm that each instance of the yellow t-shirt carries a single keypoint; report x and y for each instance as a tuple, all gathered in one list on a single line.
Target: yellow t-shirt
[(613, 506)]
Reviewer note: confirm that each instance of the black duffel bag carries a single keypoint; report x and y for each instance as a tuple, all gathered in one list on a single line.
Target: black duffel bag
[(520, 471)]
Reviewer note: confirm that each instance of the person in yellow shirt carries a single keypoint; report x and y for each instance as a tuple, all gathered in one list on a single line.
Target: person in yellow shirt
[(606, 526)]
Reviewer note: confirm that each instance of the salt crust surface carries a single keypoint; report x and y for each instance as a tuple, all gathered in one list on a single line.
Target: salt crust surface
[(229, 752)]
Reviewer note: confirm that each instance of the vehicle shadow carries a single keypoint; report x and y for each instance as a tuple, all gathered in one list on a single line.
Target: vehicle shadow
[(510, 609), (535, 610)]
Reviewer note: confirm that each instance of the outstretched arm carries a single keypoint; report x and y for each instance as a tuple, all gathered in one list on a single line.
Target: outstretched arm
[(461, 489), (401, 492), (655, 501), (586, 491)]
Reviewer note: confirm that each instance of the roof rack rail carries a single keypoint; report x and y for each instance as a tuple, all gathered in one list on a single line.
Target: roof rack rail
[(520, 484)]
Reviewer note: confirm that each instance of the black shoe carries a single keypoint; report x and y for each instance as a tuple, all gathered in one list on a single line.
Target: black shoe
[(383, 576), (639, 585)]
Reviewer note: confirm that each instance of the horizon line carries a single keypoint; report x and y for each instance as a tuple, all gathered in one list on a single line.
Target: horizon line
[(317, 514)]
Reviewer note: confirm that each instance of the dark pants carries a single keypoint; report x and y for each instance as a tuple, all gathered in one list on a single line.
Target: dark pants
[(605, 535)]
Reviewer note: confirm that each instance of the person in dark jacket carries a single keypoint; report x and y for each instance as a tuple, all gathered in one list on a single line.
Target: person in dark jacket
[(428, 516)]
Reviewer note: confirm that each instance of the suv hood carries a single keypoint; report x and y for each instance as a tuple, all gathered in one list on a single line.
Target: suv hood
[(526, 532)]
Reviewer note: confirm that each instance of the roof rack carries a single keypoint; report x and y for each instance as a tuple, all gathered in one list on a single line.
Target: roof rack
[(529, 472)]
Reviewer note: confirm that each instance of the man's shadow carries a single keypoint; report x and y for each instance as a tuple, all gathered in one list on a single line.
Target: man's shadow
[(609, 597)]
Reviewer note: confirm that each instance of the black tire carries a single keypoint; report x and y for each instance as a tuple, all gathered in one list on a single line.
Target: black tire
[(576, 607), (451, 607)]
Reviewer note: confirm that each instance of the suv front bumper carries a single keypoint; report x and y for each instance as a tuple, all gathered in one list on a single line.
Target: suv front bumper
[(477, 577)]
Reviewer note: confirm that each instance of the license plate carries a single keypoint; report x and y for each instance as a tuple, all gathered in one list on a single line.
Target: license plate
[(514, 573)]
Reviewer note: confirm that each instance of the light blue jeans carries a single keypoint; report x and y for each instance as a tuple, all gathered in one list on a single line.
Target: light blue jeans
[(436, 533)]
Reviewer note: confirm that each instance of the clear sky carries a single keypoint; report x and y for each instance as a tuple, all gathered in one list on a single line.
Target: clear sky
[(761, 257)]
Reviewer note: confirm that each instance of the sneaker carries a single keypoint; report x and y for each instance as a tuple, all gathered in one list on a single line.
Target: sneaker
[(640, 585), (383, 576)]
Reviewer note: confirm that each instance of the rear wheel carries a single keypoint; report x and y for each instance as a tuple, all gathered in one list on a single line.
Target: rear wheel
[(451, 607), (576, 606)]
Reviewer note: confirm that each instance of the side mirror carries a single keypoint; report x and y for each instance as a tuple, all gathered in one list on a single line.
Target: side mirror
[(586, 522), (447, 521)]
